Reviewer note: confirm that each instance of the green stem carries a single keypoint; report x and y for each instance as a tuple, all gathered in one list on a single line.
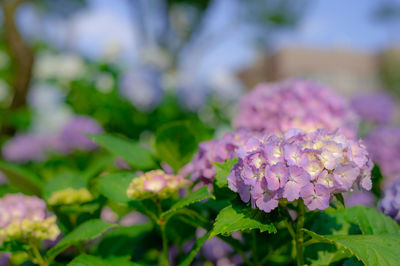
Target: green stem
[(299, 233), (254, 246), (164, 259), (161, 222), (37, 256)]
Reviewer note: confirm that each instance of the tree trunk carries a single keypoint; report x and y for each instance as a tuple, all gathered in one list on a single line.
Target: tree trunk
[(22, 57)]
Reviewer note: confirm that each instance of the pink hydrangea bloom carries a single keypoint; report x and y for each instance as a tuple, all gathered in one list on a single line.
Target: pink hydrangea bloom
[(278, 107), (311, 166)]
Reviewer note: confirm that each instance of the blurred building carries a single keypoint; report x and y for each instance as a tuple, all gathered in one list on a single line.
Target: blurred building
[(344, 70)]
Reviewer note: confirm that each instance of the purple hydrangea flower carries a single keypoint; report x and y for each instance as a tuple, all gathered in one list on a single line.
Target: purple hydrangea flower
[(360, 197), (278, 107), (201, 168), (383, 144), (73, 135), (376, 107), (311, 166), (390, 204), (24, 148), (218, 251), (5, 258)]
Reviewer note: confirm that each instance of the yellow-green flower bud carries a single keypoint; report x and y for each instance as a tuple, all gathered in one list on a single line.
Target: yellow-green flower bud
[(70, 196), (156, 184)]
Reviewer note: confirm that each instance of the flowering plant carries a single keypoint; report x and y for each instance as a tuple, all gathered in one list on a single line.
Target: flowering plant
[(263, 197)]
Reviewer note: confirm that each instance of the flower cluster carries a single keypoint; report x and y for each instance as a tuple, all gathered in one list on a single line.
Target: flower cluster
[(156, 184), (34, 147), (73, 135), (390, 204), (376, 107), (24, 217), (278, 107), (383, 144), (24, 148), (201, 168), (70, 196), (311, 166), (129, 219)]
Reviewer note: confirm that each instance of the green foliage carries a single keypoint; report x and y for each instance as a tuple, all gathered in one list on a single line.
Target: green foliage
[(63, 181), (122, 241), (130, 151), (96, 167), (176, 143), (372, 222), (114, 186), (374, 226), (370, 249), (88, 260), (377, 178), (196, 196), (22, 179), (239, 216), (86, 231), (222, 172)]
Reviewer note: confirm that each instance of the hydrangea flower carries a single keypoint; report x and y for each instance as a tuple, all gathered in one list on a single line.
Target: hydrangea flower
[(219, 252), (360, 197), (376, 107), (24, 217), (70, 196), (311, 166), (201, 168), (390, 204), (156, 184), (24, 148), (383, 144), (132, 218), (278, 107), (73, 135)]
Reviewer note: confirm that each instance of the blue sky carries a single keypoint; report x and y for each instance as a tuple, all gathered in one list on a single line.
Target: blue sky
[(340, 24)]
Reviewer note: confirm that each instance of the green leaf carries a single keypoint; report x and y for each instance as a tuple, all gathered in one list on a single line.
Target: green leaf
[(222, 172), (370, 249), (340, 198), (22, 179), (130, 151), (84, 232), (96, 167), (176, 143), (238, 216), (89, 260), (196, 196), (63, 181), (114, 186), (372, 222), (196, 248), (123, 240)]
